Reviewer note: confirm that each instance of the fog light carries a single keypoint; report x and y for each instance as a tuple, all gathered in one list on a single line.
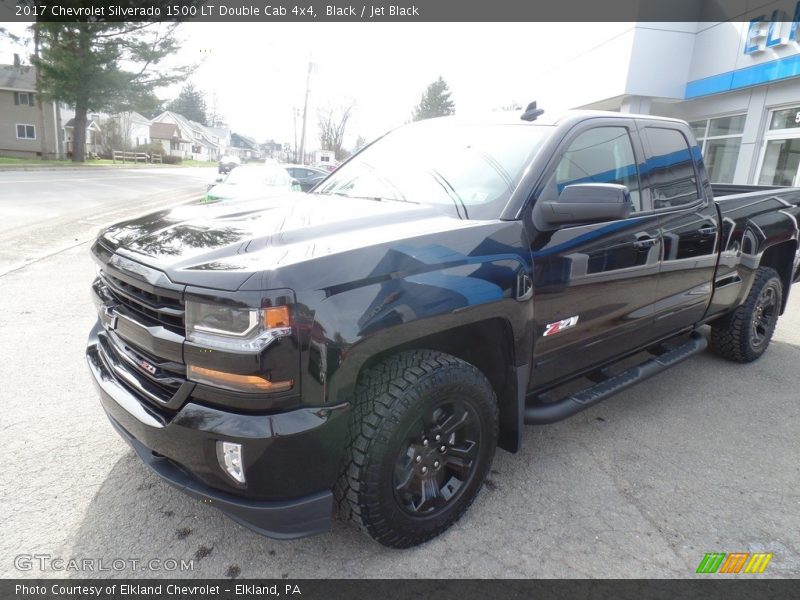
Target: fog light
[(229, 456)]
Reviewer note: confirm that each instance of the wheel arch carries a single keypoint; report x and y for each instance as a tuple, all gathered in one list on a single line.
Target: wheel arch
[(781, 257), (488, 345)]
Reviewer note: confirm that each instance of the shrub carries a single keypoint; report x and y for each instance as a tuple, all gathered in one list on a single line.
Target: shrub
[(168, 159), (150, 148)]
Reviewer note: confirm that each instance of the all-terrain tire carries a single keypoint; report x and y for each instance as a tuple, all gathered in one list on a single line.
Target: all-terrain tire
[(399, 425), (743, 336)]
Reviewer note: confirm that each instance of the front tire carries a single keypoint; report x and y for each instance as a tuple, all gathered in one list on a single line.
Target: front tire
[(424, 432), (743, 336)]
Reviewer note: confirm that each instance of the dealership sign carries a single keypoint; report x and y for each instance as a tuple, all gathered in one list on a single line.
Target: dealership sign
[(780, 30)]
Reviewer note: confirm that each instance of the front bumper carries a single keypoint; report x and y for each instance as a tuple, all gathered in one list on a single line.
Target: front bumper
[(290, 458)]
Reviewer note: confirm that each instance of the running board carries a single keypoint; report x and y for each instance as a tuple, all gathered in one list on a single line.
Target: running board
[(552, 412)]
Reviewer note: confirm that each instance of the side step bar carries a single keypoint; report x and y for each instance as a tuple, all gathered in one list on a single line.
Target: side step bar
[(543, 414)]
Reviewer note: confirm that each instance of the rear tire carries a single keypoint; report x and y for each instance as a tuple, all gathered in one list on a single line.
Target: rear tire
[(743, 336), (424, 432)]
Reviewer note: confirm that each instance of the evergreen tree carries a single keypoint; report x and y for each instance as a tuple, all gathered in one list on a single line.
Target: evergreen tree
[(435, 102), (103, 66), (191, 103)]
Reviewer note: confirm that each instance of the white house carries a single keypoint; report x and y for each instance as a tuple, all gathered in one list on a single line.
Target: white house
[(198, 142)]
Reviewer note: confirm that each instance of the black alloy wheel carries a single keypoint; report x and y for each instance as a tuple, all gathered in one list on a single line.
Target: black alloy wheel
[(439, 458)]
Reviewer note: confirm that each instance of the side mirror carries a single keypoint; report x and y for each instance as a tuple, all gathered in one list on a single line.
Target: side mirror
[(219, 179), (588, 203), (296, 187)]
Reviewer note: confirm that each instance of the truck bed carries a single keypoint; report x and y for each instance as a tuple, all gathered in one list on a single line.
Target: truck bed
[(735, 189)]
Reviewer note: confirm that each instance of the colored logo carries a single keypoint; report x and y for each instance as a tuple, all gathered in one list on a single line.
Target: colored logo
[(734, 562), (559, 326)]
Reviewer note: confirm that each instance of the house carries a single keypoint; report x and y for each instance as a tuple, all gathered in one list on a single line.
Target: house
[(222, 137), (24, 131), (125, 131), (93, 131), (198, 141), (244, 147), (271, 148), (169, 137), (325, 157)]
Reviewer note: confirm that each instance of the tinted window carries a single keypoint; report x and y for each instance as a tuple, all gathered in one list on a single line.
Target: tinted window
[(670, 168), (600, 155)]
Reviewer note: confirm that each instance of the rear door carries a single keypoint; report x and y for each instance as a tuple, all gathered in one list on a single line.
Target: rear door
[(594, 284), (688, 221)]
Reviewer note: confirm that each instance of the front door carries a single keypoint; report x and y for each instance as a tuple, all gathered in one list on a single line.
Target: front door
[(594, 284)]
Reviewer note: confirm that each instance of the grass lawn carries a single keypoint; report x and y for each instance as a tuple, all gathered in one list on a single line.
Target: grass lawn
[(8, 161)]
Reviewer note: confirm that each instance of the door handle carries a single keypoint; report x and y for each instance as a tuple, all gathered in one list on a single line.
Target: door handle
[(707, 231), (644, 243)]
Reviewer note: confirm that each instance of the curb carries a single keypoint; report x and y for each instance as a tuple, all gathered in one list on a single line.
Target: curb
[(4, 168)]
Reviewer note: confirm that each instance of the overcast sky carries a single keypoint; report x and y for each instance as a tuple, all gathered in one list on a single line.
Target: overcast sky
[(257, 70)]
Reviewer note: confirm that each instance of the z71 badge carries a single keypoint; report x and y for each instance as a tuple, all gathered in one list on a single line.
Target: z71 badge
[(558, 326), (147, 367)]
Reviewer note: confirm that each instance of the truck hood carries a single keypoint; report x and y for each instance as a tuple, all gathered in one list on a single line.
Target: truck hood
[(221, 245)]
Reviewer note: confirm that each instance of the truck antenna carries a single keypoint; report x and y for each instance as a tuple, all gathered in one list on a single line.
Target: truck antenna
[(531, 113)]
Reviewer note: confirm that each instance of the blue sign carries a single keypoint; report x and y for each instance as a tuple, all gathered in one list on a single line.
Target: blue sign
[(762, 34)]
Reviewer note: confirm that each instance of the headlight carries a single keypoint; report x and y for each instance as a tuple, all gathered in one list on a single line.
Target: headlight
[(242, 329)]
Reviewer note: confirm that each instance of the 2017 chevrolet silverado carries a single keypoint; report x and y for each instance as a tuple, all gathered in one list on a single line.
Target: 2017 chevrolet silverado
[(369, 345)]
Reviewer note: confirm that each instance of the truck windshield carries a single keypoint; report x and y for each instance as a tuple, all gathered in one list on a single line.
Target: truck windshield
[(470, 170)]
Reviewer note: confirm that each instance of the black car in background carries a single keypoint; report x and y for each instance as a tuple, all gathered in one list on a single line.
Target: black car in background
[(308, 177), (228, 164)]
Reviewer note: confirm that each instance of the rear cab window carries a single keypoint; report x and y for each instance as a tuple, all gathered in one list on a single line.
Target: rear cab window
[(669, 168)]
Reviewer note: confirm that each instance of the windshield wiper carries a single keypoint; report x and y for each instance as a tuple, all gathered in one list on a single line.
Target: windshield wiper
[(374, 198), (451, 192)]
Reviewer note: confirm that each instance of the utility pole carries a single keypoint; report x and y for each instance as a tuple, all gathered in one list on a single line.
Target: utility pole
[(305, 114), (40, 108), (295, 110)]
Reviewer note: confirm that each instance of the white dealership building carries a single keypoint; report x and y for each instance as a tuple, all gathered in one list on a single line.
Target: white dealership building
[(737, 83)]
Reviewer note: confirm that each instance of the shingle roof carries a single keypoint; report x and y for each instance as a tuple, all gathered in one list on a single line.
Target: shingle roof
[(164, 131), (17, 78), (189, 126)]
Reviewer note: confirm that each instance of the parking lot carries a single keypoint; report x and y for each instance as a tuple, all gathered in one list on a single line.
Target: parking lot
[(703, 458)]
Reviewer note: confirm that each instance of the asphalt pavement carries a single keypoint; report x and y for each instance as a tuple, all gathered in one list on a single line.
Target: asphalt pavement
[(703, 458), (42, 211)]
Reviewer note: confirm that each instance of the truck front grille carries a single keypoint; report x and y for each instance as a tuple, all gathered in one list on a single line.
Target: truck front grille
[(152, 307)]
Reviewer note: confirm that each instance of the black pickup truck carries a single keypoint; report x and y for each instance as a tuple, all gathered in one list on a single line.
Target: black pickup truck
[(364, 348)]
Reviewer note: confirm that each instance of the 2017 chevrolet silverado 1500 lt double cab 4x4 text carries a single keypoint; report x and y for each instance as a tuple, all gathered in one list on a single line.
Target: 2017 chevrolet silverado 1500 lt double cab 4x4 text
[(368, 345)]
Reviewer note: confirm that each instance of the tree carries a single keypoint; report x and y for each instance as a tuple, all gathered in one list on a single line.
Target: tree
[(191, 103), (103, 66), (435, 102), (332, 125), (149, 105)]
